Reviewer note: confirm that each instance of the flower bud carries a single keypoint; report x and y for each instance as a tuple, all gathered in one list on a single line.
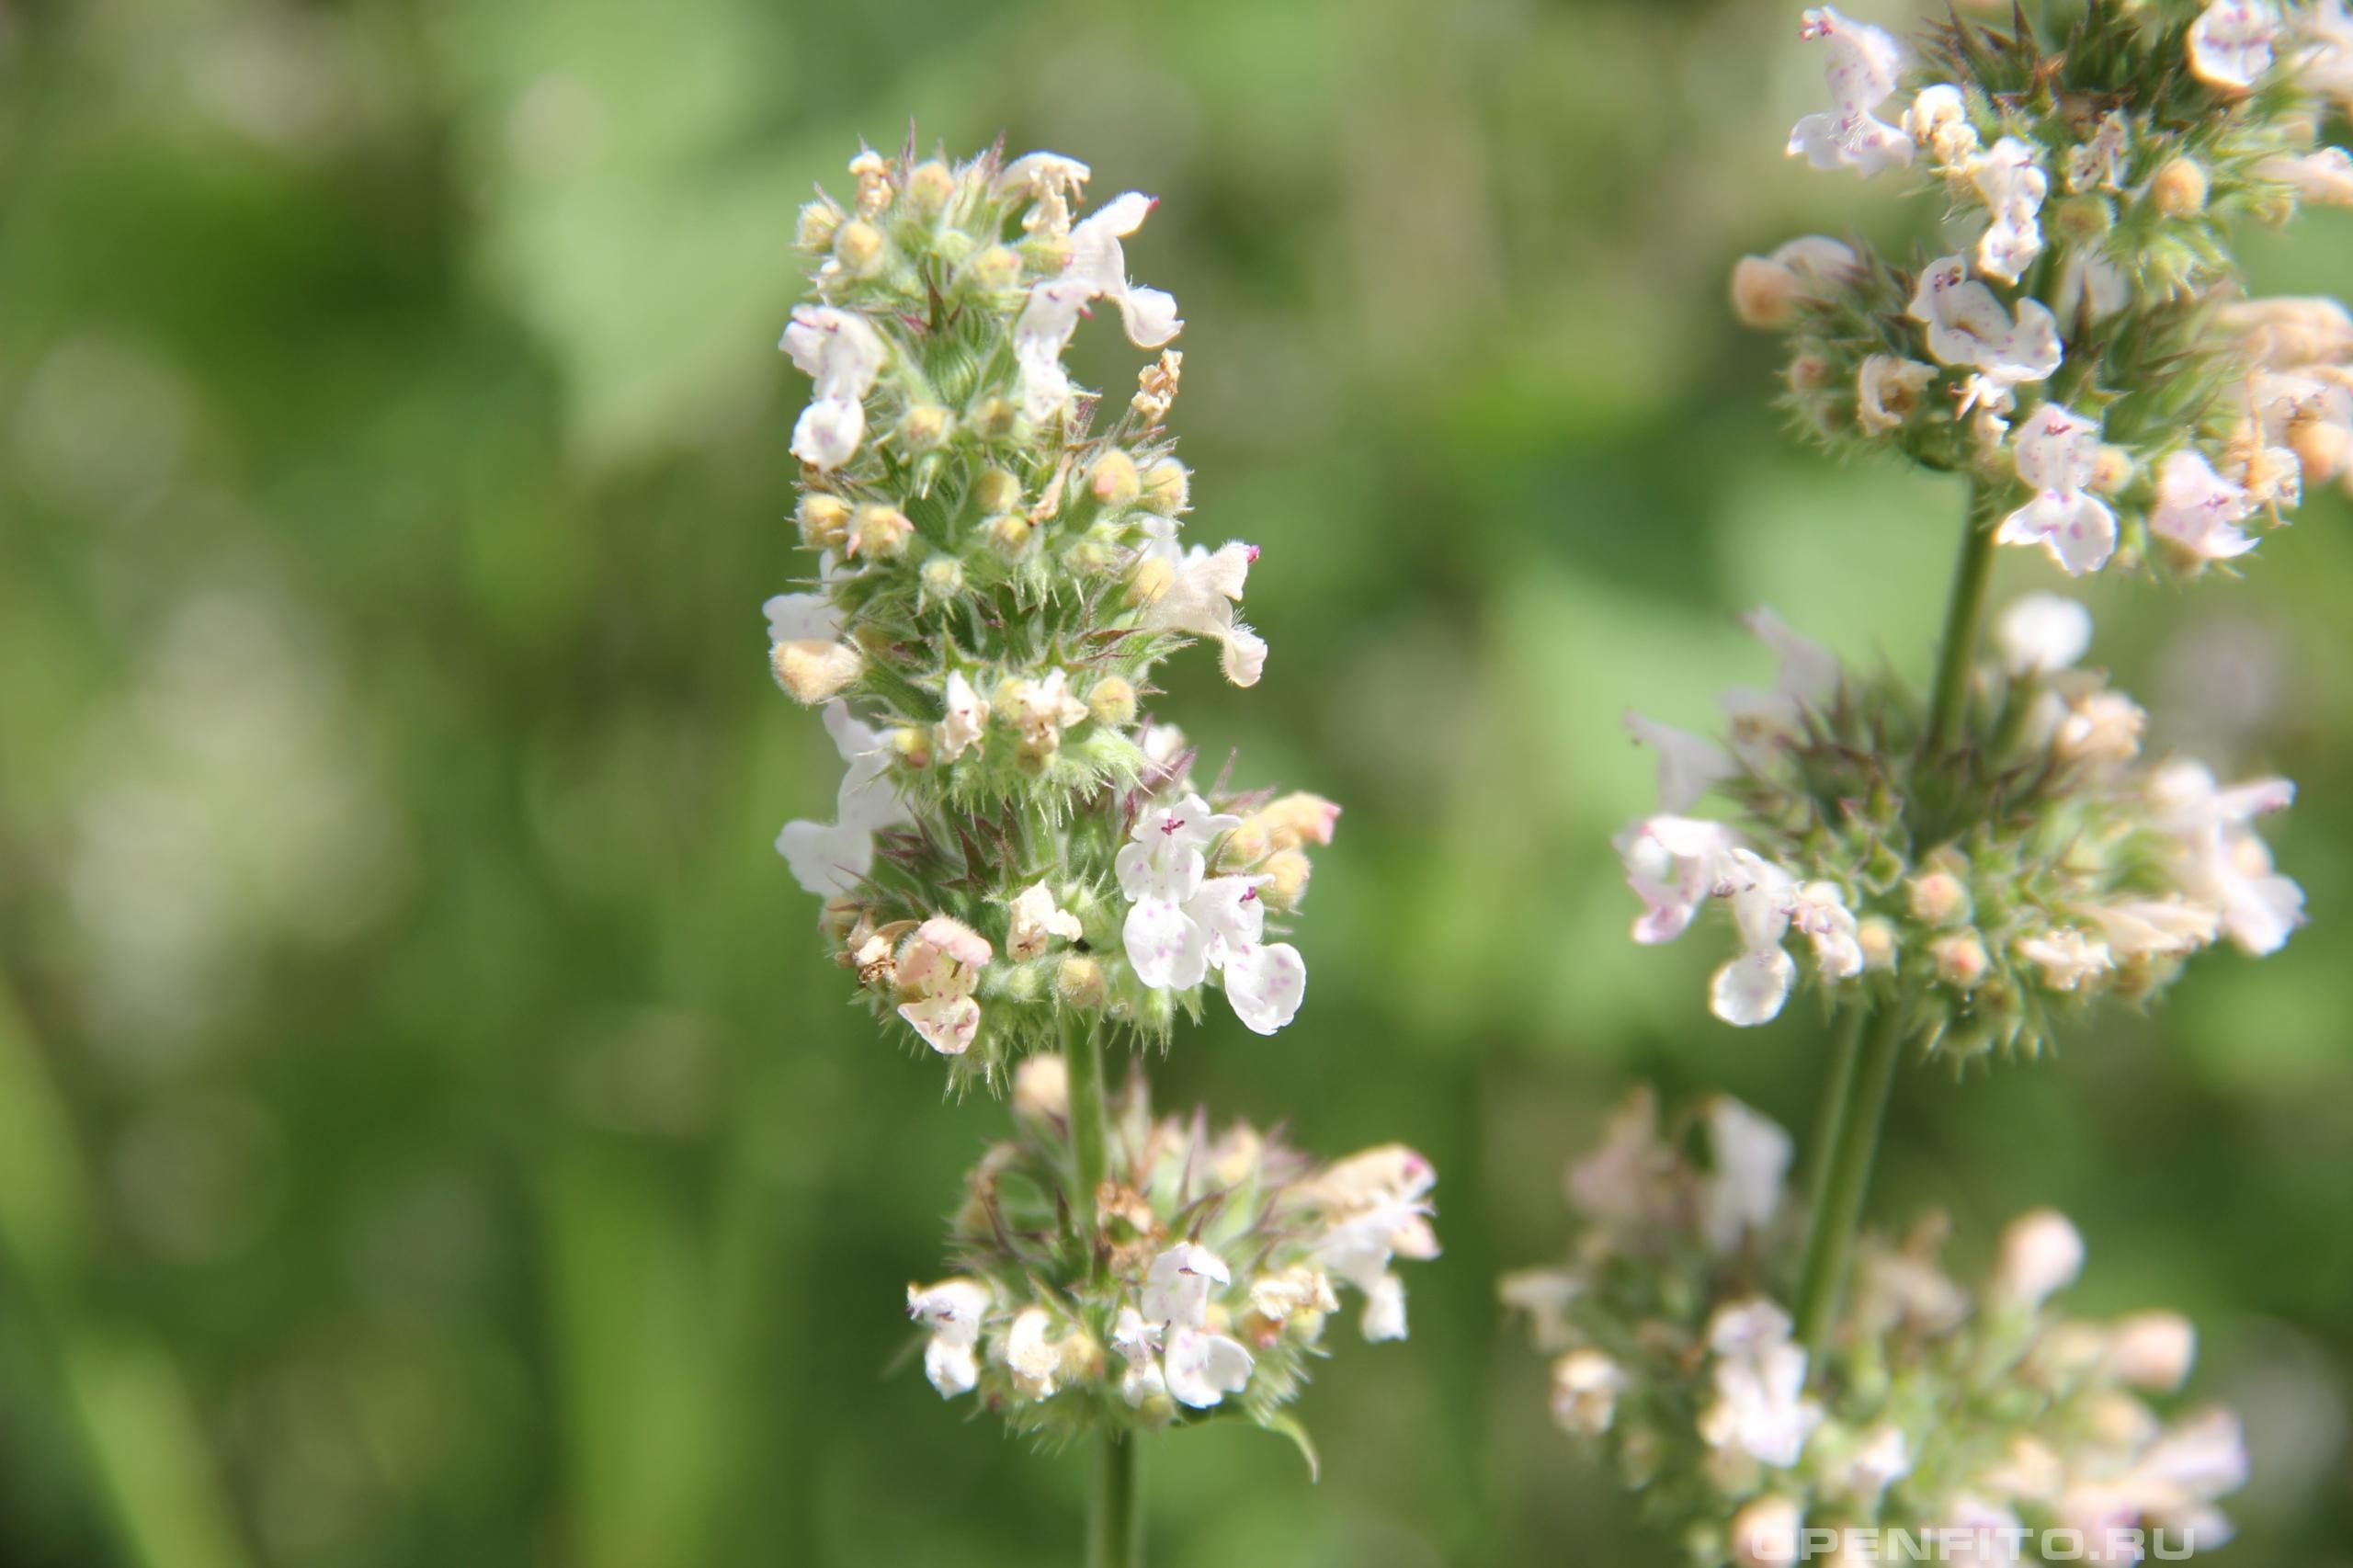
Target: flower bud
[(814, 671), (2322, 446), (2178, 188), (1010, 533), (911, 745), (995, 491), (931, 187), (1289, 869), (926, 426), (858, 245), (2154, 1350), (1938, 898), (997, 269), (2112, 468), (824, 519), (1090, 558), (1151, 578), (880, 531), (1297, 819), (1113, 481), (1586, 1385), (815, 229), (1167, 487), (996, 417), (1112, 701), (1875, 934), (1765, 1533), (2103, 727), (2042, 1253), (1764, 293), (1960, 960), (1080, 982), (1041, 1087), (2083, 217), (943, 577)]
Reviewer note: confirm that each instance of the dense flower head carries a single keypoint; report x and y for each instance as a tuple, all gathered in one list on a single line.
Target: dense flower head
[(2042, 860), (2089, 180), (999, 566), (1204, 1288), (1939, 1407)]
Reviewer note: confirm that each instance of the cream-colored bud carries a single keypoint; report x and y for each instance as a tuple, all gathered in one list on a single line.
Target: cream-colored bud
[(2083, 217), (997, 269), (1586, 1384), (911, 745), (1167, 487), (996, 417), (1010, 533), (2102, 727), (2042, 1253), (1112, 701), (1080, 981), (2111, 470), (1298, 818), (943, 577), (880, 531), (1765, 293), (995, 491), (858, 245), (814, 671), (1809, 372), (926, 426), (2119, 1423), (815, 229), (1288, 870), (1151, 578), (825, 521), (1041, 1087), (1090, 558), (2178, 188), (1082, 1356), (930, 186), (1765, 1533), (2153, 1350), (1960, 958), (1938, 897), (1875, 934), (2322, 446), (1113, 481)]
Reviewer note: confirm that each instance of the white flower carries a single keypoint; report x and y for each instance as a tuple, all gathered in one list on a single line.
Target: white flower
[(1586, 1386), (2199, 510), (1752, 1159), (2041, 634), (1884, 1459), (2324, 177), (1097, 258), (1032, 1358), (1807, 676), (2165, 926), (1040, 708), (1887, 390), (842, 353), (828, 858), (2067, 957), (1051, 183), (1760, 1406), (2091, 286), (1198, 597), (1097, 268), (1177, 1285), (1938, 121), (2325, 60), (2057, 452), (1203, 1367), (1766, 901), (1673, 864), (1377, 1206), (1035, 921), (2013, 190), (953, 1311), (2153, 1350), (1860, 72), (2042, 1254), (1185, 924), (2099, 163), (1967, 325), (938, 969), (2230, 43), (966, 720), (2218, 860), (1688, 764)]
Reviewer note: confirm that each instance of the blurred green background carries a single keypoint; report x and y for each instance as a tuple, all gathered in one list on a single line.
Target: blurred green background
[(429, 1130)]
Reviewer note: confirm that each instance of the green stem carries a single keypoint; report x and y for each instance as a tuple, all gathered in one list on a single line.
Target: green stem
[(1115, 1530), (1838, 1200), (1846, 1051), (1090, 1134), (1964, 620)]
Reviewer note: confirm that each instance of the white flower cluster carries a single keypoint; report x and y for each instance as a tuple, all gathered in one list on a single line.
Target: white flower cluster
[(1184, 924), (1938, 1408)]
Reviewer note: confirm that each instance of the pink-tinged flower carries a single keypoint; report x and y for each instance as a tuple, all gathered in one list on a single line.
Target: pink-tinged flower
[(2231, 44), (938, 969), (1688, 764), (1861, 70), (1760, 1408), (1751, 1159), (1197, 593), (2013, 190), (1673, 864), (1184, 924), (1967, 326), (2199, 511), (953, 1311), (1097, 269), (2057, 452), (2218, 860)]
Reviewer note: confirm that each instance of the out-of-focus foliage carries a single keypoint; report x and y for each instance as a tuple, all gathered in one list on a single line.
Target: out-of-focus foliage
[(428, 1133)]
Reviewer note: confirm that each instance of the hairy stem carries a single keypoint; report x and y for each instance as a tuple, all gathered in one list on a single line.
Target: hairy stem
[(1964, 620), (1090, 1135), (1845, 1177), (1115, 1528)]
